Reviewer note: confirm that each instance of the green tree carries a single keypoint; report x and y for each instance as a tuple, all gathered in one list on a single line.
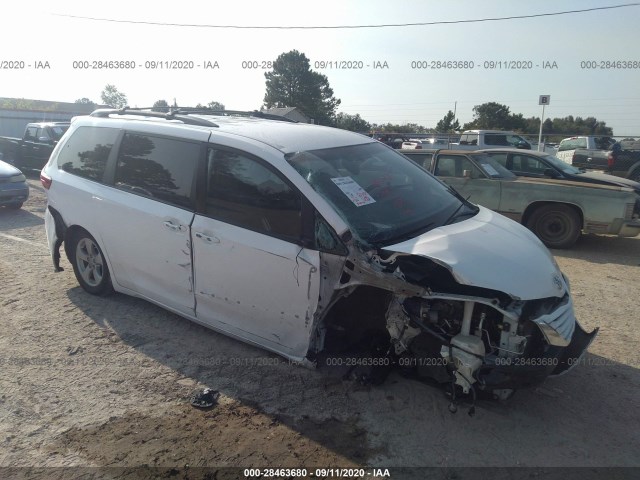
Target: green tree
[(160, 106), (355, 123), (491, 115), (401, 128), (112, 97), (448, 124), (85, 101), (211, 105), (292, 83)]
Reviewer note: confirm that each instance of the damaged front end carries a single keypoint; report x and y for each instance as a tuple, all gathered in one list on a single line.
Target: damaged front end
[(472, 319)]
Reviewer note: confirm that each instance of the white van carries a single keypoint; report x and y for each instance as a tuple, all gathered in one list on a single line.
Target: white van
[(305, 240)]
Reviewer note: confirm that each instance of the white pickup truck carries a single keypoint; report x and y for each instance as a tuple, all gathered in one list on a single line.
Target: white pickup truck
[(481, 139)]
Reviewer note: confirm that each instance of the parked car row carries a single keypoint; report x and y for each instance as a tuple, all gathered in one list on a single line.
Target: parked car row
[(557, 211)]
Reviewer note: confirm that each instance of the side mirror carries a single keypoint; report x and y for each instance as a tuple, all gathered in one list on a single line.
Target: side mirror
[(551, 173)]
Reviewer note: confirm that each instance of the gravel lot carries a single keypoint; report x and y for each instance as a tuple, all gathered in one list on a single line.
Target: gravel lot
[(90, 381)]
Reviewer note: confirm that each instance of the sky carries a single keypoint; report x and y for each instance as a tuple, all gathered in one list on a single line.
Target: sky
[(52, 34)]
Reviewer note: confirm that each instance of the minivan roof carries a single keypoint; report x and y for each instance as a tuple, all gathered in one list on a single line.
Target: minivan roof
[(285, 136)]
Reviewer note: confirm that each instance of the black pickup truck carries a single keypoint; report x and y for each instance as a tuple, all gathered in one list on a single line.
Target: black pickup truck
[(602, 153), (34, 148)]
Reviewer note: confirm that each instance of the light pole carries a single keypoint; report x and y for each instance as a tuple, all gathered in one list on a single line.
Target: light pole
[(544, 101)]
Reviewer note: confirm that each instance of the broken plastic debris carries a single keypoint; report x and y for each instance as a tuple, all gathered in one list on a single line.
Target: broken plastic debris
[(205, 398)]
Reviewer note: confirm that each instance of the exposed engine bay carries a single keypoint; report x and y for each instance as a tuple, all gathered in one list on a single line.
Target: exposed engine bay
[(414, 313)]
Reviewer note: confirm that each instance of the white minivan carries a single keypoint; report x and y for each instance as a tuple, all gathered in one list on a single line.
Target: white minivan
[(305, 240)]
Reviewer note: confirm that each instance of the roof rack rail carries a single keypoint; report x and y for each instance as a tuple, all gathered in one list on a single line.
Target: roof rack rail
[(228, 113), (143, 112)]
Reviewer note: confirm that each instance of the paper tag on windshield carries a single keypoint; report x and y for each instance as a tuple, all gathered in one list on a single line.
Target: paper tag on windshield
[(353, 191), (490, 170)]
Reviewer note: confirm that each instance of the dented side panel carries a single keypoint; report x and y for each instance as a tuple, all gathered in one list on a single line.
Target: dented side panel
[(148, 244), (256, 287)]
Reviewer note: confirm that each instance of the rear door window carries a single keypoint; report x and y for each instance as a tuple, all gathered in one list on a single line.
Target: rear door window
[(86, 153), (160, 168)]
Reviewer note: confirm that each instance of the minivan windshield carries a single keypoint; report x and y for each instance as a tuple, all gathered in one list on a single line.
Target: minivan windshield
[(384, 197)]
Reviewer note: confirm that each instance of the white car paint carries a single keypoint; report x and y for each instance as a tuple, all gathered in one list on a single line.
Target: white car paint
[(491, 251), (259, 285)]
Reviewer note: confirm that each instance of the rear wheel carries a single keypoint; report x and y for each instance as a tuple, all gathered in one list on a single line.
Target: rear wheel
[(89, 264), (558, 226)]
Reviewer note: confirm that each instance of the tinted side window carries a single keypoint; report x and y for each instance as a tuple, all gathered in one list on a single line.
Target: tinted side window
[(42, 133), (85, 154), (527, 164), (30, 133), (495, 139), (159, 168), (246, 193)]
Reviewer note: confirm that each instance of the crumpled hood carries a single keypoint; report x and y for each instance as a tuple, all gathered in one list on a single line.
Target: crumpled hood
[(491, 251)]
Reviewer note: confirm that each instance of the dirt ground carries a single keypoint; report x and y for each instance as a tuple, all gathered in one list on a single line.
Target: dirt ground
[(88, 381)]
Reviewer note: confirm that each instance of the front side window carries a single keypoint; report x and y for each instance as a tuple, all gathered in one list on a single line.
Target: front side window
[(85, 154), (504, 140), (527, 164), (58, 130), (30, 134), (157, 167), (42, 134), (245, 192), (455, 166), (383, 196)]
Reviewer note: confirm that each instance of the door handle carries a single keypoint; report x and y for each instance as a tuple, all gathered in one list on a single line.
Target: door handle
[(172, 226), (589, 159), (207, 238)]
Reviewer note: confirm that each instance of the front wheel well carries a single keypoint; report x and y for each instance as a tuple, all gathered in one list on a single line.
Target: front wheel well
[(357, 319)]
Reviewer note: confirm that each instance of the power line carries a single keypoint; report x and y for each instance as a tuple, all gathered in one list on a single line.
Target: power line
[(336, 27)]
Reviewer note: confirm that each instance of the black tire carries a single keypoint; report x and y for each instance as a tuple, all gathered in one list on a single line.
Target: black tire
[(89, 264), (558, 226)]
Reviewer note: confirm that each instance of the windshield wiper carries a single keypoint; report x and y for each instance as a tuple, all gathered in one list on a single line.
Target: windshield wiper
[(379, 237), (473, 210)]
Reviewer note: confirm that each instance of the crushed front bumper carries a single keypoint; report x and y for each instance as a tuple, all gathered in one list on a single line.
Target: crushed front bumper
[(519, 372)]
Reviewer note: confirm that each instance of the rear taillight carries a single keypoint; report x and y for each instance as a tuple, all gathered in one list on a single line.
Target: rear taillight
[(610, 160), (45, 180)]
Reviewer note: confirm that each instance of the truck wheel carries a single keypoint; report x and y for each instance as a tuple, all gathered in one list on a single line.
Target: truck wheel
[(89, 264), (558, 226)]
